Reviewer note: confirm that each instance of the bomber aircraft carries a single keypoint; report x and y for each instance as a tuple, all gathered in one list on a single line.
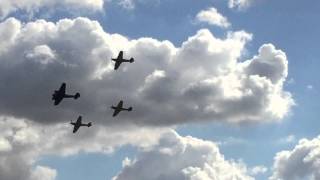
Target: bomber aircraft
[(60, 94)]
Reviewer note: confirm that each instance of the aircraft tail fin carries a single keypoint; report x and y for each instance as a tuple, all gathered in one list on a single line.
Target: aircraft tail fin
[(89, 124), (131, 60), (130, 109), (77, 96)]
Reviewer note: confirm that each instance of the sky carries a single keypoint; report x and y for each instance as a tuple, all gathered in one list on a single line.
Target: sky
[(220, 89)]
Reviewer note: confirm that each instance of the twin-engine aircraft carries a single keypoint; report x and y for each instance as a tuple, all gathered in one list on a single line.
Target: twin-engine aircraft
[(78, 124), (120, 60), (60, 94), (119, 108)]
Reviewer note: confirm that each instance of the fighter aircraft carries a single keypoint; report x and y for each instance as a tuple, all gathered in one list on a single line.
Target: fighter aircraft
[(78, 124), (61, 93), (120, 60), (119, 108)]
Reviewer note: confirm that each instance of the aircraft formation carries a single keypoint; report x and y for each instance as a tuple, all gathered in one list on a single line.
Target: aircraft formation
[(61, 94)]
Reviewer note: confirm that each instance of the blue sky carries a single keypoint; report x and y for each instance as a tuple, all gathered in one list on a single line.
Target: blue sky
[(292, 26)]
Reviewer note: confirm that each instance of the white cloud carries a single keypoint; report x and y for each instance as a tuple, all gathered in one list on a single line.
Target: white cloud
[(9, 6), (289, 139), (179, 158), (41, 53), (26, 142), (230, 141), (33, 6), (309, 87), (303, 162), (291, 81), (213, 17), (43, 173), (258, 170), (240, 4), (4, 145), (204, 79), (215, 85), (128, 4)]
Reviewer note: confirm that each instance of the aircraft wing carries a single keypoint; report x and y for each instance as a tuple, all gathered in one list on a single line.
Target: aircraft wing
[(118, 108), (116, 112), (63, 88), (57, 100), (120, 56), (75, 128), (77, 124), (120, 104), (79, 120), (116, 66)]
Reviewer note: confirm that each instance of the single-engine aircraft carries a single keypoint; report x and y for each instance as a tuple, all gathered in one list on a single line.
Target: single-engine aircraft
[(120, 60), (78, 124), (58, 95), (119, 108)]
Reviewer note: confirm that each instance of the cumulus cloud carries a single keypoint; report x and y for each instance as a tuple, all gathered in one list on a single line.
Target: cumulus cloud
[(33, 6), (43, 173), (231, 141), (180, 158), (4, 145), (258, 170), (128, 4), (288, 139), (240, 4), (23, 142), (309, 87), (9, 6), (212, 17), (16, 161), (203, 79), (300, 163)]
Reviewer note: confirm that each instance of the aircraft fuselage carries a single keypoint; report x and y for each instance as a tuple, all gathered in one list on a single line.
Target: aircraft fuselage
[(120, 108), (60, 94)]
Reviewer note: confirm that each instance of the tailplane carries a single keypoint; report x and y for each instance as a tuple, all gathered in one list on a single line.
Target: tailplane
[(89, 124), (77, 96), (131, 60), (130, 109)]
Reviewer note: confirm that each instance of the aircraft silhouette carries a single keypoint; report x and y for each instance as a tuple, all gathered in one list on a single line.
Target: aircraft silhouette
[(58, 95), (78, 124), (120, 60), (119, 108)]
